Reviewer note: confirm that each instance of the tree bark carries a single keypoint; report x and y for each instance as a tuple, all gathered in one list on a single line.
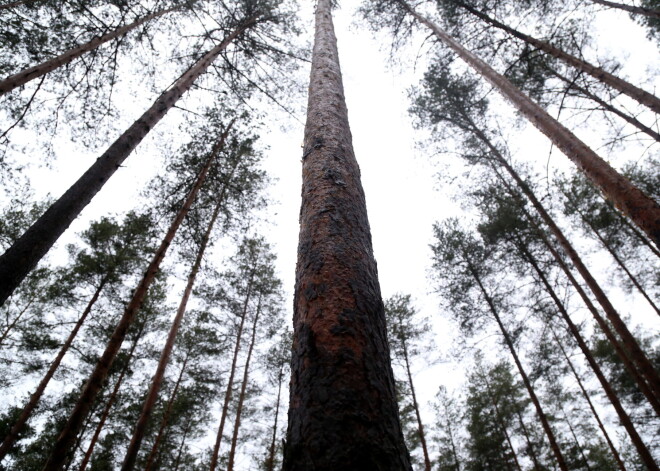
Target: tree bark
[(638, 206), (634, 353), (157, 380), (230, 381), (608, 106), (241, 396), (343, 412), (645, 98), (26, 252), (420, 426), (18, 426), (585, 394), (108, 406), (630, 8), (643, 451), (166, 417), (24, 76), (96, 379), (530, 389)]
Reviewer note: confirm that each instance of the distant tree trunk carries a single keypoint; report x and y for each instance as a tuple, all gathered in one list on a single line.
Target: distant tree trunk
[(166, 417), (9, 5), (420, 426), (639, 207), (634, 351), (96, 379), (230, 381), (24, 76), (500, 423), (177, 461), (636, 93), (643, 451), (608, 106), (530, 389), (530, 445), (157, 380), (270, 462), (630, 8), (18, 426), (14, 322), (26, 252), (111, 400), (343, 412), (575, 438), (585, 394), (241, 396)]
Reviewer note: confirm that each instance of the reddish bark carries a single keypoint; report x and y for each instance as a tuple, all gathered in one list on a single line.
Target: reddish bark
[(18, 426), (343, 411), (639, 207), (630, 8), (94, 383), (24, 76)]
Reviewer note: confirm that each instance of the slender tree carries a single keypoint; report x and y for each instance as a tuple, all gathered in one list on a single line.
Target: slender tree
[(650, 12), (342, 410)]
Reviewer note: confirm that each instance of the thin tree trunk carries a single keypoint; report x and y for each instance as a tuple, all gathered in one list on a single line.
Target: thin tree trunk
[(539, 410), (13, 323), (270, 463), (111, 400), (501, 424), (601, 426), (177, 462), (241, 397), (636, 93), (630, 8), (230, 381), (96, 379), (635, 353), (24, 76), (643, 451), (640, 236), (575, 438), (608, 106), (9, 5), (530, 445), (157, 380), (26, 252), (639, 207), (617, 259), (420, 426), (166, 417), (343, 412), (18, 426)]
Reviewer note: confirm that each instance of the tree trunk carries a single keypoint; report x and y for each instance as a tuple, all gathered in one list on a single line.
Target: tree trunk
[(509, 343), (157, 380), (13, 323), (26, 252), (113, 397), (608, 106), (530, 445), (230, 381), (634, 352), (18, 426), (166, 417), (270, 463), (9, 5), (343, 412), (420, 426), (642, 96), (177, 462), (630, 8), (601, 426), (639, 207), (96, 379), (24, 76), (500, 423), (241, 397), (643, 451)]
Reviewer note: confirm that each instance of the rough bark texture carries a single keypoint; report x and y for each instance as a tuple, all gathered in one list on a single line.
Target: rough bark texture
[(343, 410), (18, 426), (157, 380), (630, 8), (230, 381), (24, 76), (98, 376), (640, 208), (636, 93), (26, 252), (528, 385), (643, 451), (241, 396)]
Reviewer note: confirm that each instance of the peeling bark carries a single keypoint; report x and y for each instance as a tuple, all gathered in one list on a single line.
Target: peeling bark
[(343, 411)]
